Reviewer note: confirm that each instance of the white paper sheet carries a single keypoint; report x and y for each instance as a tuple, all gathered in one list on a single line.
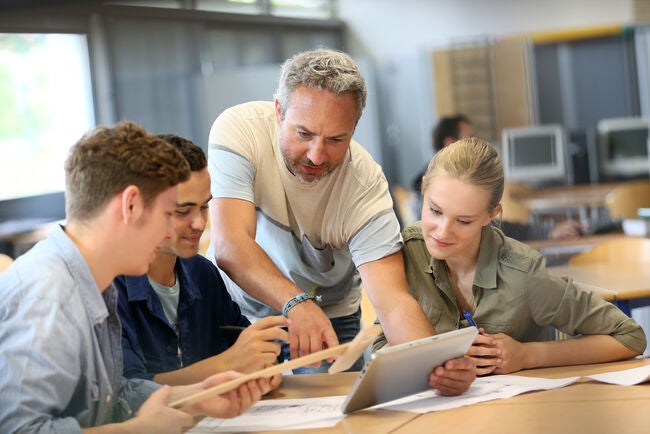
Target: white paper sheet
[(482, 389), (627, 377), (279, 414)]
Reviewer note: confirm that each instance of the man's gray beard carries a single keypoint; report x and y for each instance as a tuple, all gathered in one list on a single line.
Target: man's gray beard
[(298, 176)]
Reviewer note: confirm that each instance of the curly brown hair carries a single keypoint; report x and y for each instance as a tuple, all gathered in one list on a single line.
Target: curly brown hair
[(108, 159)]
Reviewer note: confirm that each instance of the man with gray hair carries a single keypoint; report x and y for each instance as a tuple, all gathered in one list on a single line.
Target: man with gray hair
[(302, 214)]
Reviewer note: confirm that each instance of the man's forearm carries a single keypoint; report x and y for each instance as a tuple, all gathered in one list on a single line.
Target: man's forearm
[(254, 271), (405, 322), (401, 316)]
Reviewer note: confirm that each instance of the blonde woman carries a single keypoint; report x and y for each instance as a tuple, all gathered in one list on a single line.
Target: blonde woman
[(456, 262)]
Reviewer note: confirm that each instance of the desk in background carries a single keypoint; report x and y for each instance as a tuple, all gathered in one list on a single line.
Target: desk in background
[(594, 204), (566, 196), (558, 252), (628, 280), (18, 236), (586, 202), (582, 407)]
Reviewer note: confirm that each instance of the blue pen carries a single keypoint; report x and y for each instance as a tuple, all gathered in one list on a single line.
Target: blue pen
[(468, 317)]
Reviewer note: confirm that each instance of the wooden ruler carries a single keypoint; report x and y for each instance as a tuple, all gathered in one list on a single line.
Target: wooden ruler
[(349, 353)]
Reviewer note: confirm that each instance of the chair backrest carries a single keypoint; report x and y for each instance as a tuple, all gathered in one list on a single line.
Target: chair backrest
[(368, 314), (5, 262), (624, 200), (624, 249), (513, 209), (406, 204)]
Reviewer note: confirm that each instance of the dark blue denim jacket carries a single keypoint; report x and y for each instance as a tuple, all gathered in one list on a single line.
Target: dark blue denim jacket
[(150, 344)]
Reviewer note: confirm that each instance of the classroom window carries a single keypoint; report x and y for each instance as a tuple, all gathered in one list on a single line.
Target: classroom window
[(321, 9), (47, 105)]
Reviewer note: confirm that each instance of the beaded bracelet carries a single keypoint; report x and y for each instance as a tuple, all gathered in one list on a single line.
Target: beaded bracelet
[(294, 301)]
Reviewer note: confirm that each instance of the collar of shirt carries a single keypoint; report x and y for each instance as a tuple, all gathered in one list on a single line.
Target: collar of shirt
[(486, 264), (138, 288), (90, 294)]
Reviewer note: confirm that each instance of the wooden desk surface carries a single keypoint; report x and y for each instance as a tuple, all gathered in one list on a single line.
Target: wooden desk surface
[(607, 416), (630, 280), (587, 407), (566, 196), (583, 407), (590, 240)]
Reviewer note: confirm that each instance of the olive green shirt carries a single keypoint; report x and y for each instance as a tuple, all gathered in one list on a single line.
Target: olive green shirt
[(514, 294)]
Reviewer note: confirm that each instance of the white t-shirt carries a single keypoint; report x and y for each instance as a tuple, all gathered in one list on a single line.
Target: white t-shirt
[(316, 232)]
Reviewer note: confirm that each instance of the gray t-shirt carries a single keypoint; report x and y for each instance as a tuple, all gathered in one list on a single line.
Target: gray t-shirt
[(168, 296), (315, 233)]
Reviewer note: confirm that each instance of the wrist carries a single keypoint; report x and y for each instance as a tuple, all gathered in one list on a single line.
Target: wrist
[(532, 354), (221, 362), (293, 301), (132, 426)]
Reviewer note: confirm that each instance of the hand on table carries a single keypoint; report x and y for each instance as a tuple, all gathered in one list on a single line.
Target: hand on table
[(497, 353), (566, 229)]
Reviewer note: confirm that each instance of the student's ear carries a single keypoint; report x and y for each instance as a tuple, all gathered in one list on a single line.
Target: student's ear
[(448, 141), (278, 112), (495, 212), (132, 204)]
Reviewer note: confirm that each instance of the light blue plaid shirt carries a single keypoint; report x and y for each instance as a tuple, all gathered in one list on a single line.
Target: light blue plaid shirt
[(60, 345)]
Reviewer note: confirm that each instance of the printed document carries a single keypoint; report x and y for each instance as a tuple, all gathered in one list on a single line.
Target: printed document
[(482, 389), (627, 377), (279, 414)]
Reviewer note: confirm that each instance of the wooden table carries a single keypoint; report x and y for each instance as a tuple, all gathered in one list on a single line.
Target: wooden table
[(18, 236), (558, 252), (630, 280), (317, 385), (623, 282), (566, 196), (586, 241), (586, 406), (620, 283), (568, 200)]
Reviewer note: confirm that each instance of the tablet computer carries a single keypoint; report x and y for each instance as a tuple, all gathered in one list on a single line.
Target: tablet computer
[(402, 370)]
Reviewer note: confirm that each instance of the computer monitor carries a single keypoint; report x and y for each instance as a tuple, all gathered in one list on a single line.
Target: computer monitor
[(534, 154), (624, 147)]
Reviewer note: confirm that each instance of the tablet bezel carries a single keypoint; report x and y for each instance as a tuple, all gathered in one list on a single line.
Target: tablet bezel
[(402, 370)]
